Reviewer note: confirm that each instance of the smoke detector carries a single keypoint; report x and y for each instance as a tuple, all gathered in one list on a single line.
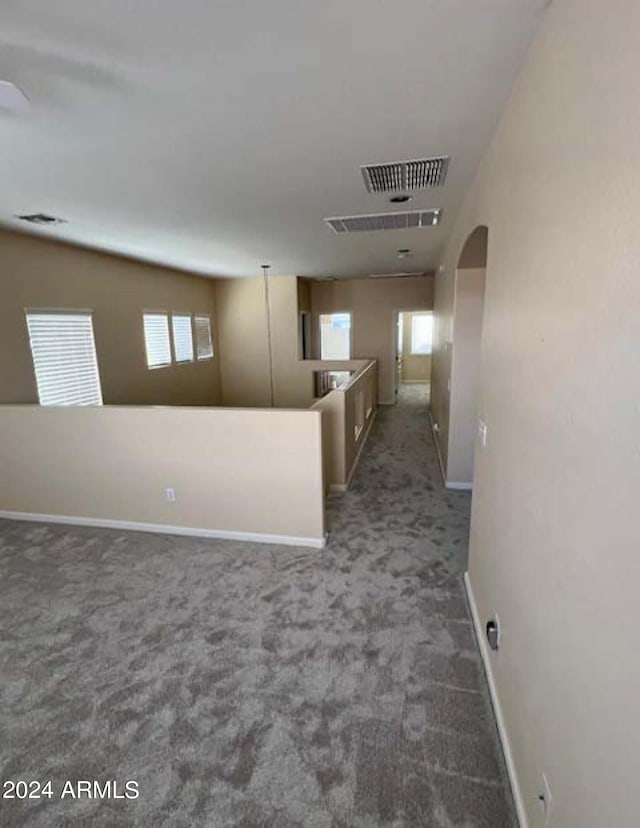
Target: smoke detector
[(405, 176), (41, 218)]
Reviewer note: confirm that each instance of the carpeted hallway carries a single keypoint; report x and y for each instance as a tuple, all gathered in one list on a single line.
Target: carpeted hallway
[(253, 686)]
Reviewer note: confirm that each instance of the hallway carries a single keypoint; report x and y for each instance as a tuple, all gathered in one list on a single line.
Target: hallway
[(246, 685)]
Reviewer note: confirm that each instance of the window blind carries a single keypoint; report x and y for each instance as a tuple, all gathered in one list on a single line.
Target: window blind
[(64, 358), (156, 339), (204, 343), (182, 337)]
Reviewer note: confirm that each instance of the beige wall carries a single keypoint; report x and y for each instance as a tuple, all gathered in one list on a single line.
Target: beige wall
[(246, 471), (441, 362), (465, 373), (244, 343), (555, 534), (37, 273), (244, 351), (292, 378), (342, 410), (373, 303), (415, 367)]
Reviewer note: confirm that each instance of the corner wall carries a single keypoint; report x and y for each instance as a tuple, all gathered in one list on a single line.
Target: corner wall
[(373, 303), (39, 273), (244, 350), (465, 374), (554, 534), (250, 474)]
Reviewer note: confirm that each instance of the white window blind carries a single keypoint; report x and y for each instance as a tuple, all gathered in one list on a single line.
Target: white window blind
[(182, 337), (156, 339), (204, 343), (421, 334), (64, 358)]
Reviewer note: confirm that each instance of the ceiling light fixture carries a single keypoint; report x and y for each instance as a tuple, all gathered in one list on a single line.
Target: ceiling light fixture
[(12, 98), (400, 199)]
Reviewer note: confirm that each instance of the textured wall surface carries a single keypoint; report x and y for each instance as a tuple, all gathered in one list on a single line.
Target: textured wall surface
[(373, 303), (554, 537), (37, 273)]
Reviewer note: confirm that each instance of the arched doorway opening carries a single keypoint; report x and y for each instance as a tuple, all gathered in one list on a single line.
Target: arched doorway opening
[(468, 313)]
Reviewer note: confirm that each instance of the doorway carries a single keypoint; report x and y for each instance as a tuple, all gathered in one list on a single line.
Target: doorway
[(413, 347), (467, 428)]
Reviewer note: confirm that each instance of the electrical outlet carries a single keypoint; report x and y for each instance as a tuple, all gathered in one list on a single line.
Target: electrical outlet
[(482, 433), (170, 495), (545, 799)]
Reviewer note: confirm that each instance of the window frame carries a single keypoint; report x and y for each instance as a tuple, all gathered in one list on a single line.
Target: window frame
[(348, 313), (182, 315), (87, 315), (198, 356), (415, 318), (166, 315)]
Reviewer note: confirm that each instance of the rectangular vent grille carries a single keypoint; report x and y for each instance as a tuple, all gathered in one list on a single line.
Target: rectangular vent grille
[(405, 176), (385, 221)]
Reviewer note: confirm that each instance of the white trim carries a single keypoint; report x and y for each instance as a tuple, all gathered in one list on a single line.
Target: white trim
[(338, 488), (434, 434), (164, 529), (495, 701), (462, 487)]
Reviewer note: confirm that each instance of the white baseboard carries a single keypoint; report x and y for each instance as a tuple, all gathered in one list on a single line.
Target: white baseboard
[(462, 487), (495, 701), (159, 528), (338, 488)]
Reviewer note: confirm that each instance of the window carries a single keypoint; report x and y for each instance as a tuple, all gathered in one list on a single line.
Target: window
[(156, 339), (64, 357), (421, 333), (182, 337), (335, 336), (204, 343)]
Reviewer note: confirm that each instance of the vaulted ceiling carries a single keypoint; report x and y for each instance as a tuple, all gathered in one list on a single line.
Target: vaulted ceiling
[(216, 135)]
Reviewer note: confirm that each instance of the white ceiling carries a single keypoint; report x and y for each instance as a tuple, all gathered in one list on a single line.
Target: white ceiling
[(216, 135)]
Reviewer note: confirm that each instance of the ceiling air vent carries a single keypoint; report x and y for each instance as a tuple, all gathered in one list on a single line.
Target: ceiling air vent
[(401, 275), (41, 218), (405, 176), (385, 221)]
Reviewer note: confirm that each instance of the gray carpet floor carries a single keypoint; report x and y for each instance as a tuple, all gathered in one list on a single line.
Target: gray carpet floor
[(251, 685)]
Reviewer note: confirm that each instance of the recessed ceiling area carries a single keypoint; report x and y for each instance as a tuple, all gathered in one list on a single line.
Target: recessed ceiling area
[(216, 136)]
